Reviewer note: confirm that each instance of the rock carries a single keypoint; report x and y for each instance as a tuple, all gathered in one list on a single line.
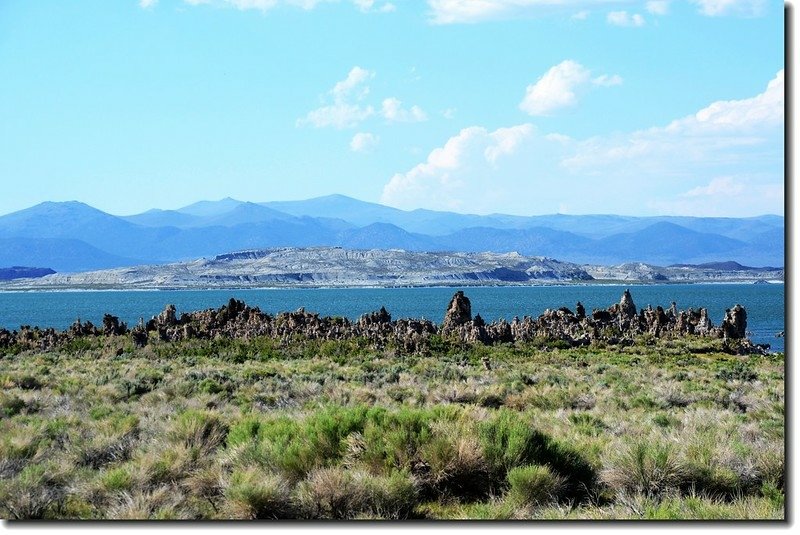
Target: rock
[(139, 336), (112, 326), (459, 312), (734, 325), (626, 305), (236, 320)]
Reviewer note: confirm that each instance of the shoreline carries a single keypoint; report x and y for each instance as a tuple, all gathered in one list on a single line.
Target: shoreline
[(609, 283)]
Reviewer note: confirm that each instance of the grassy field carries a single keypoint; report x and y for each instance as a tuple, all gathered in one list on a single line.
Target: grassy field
[(232, 429)]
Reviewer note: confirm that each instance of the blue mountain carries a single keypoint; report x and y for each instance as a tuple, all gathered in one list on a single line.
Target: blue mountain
[(72, 236)]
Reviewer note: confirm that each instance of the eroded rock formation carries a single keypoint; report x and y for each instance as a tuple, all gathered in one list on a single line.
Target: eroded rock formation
[(621, 323)]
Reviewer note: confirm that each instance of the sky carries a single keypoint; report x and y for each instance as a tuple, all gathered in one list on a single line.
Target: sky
[(527, 107)]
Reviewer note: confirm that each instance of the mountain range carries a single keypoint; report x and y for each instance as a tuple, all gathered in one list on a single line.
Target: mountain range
[(73, 236)]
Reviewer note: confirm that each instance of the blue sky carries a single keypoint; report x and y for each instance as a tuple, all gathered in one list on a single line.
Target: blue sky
[(512, 106)]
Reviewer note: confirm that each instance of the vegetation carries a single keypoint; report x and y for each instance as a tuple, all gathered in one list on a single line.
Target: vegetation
[(259, 430)]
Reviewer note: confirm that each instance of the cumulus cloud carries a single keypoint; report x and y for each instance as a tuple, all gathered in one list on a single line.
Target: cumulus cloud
[(355, 83), (462, 174), (718, 8), (348, 108), (657, 7), (345, 111), (726, 159), (145, 4), (752, 114), (364, 142), (623, 18), (557, 88), (581, 15), (393, 111)]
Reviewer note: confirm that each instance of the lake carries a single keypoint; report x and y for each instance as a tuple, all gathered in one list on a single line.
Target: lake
[(764, 302)]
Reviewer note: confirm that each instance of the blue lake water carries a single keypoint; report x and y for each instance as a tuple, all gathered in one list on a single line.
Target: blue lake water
[(764, 303)]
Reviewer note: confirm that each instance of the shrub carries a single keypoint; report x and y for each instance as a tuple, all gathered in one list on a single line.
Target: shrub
[(33, 494), (394, 496), (331, 493), (161, 503), (534, 485), (454, 465), (650, 469), (10, 405), (509, 442), (203, 430), (117, 479), (255, 494), (336, 493)]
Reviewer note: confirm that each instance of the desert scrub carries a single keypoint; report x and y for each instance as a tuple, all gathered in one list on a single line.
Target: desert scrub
[(216, 428)]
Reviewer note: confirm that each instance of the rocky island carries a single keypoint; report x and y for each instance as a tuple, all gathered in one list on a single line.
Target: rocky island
[(340, 267)]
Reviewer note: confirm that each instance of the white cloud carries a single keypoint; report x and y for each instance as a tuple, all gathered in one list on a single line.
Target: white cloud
[(365, 6), (453, 173), (364, 142), (504, 141), (348, 110), (657, 7), (145, 4), (724, 135), (393, 111), (260, 5), (718, 8), (747, 195), (471, 11), (623, 18), (604, 80), (343, 113), (340, 115), (724, 160), (724, 185), (752, 114), (557, 88), (354, 83)]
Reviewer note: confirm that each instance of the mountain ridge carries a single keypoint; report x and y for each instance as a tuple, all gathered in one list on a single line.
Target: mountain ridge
[(207, 228)]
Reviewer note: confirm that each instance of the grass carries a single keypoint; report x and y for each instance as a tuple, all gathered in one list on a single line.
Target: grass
[(257, 429)]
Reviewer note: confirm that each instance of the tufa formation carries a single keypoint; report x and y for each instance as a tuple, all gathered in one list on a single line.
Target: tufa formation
[(618, 324)]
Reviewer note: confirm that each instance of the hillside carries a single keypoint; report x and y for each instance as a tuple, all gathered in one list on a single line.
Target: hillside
[(338, 267), (80, 237)]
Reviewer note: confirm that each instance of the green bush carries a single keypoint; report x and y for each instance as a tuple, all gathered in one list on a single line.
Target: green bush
[(255, 494), (534, 485), (648, 468), (509, 442)]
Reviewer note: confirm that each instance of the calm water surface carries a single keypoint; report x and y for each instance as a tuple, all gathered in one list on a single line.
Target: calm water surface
[(764, 303)]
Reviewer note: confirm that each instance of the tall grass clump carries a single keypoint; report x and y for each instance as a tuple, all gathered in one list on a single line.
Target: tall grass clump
[(649, 468), (338, 493), (534, 485), (253, 493)]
